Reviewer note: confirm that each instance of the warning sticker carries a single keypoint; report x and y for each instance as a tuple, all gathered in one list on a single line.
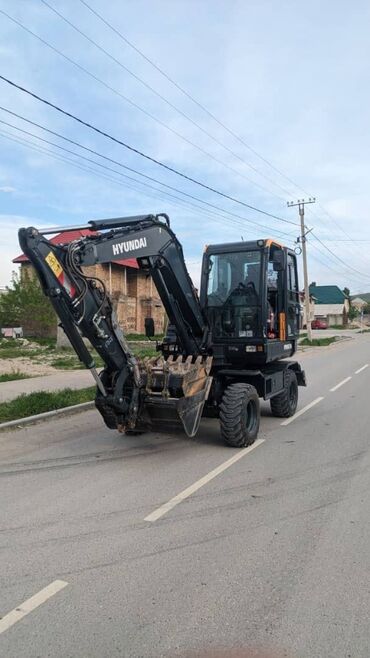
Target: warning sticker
[(54, 264)]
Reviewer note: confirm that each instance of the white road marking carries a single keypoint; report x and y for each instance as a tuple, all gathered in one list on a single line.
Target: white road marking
[(25, 608), (361, 369), (302, 411), (163, 509), (344, 381)]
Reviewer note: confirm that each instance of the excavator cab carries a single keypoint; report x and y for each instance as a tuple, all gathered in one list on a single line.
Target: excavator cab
[(250, 296)]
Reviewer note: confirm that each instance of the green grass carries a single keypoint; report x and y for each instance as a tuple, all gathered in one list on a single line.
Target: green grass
[(44, 342), (318, 342), (140, 337), (39, 402), (146, 351), (13, 376), (338, 327), (15, 352), (65, 363)]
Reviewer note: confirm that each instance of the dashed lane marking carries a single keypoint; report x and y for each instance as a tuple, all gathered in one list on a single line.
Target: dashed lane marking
[(31, 604), (361, 369), (163, 509), (302, 411), (344, 381)]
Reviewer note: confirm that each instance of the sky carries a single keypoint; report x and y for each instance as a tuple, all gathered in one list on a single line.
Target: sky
[(288, 80)]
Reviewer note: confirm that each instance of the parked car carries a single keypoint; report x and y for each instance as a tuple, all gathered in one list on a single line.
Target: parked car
[(319, 324)]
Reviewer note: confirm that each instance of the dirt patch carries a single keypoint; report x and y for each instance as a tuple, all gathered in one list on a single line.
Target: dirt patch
[(25, 366)]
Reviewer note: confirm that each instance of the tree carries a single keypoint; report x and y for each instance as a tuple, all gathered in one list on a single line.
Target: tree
[(25, 305), (352, 313)]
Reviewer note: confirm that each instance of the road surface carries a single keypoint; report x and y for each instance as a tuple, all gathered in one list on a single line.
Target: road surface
[(270, 552)]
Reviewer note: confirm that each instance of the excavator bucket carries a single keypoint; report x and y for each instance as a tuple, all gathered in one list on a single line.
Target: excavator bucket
[(176, 390)]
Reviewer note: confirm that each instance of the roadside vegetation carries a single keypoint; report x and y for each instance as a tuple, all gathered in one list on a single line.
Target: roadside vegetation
[(41, 401), (318, 342), (12, 376), (39, 356)]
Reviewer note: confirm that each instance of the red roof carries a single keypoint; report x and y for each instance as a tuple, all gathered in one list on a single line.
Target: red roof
[(68, 236)]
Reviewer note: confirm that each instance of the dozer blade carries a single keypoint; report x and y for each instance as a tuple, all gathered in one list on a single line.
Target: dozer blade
[(176, 390)]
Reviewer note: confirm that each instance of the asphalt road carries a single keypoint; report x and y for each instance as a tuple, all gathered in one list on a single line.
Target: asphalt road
[(271, 554)]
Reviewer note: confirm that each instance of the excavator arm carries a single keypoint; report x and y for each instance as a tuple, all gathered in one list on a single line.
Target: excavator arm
[(131, 394)]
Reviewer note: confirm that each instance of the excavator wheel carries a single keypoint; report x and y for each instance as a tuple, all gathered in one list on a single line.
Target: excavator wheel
[(284, 404), (240, 415)]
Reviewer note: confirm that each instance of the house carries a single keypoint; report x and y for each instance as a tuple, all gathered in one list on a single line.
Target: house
[(132, 291), (331, 304), (358, 303)]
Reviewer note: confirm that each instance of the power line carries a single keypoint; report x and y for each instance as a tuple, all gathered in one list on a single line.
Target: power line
[(116, 162), (231, 132), (163, 98), (340, 260), (141, 153), (188, 95), (133, 104), (39, 149)]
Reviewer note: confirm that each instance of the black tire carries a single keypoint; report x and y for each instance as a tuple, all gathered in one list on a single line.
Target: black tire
[(284, 405), (240, 415)]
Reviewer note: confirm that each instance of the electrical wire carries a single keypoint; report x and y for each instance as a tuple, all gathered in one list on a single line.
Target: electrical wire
[(141, 153), (126, 167), (138, 107), (190, 97), (182, 202), (163, 98)]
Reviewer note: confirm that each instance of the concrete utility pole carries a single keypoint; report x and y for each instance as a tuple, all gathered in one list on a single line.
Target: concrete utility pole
[(301, 204)]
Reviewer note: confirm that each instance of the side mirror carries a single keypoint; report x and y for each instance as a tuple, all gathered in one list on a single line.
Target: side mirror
[(149, 327), (278, 260)]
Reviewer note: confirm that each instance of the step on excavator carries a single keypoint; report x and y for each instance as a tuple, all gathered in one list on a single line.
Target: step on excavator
[(223, 350)]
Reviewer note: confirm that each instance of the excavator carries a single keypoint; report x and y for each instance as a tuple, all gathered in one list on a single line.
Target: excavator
[(223, 350)]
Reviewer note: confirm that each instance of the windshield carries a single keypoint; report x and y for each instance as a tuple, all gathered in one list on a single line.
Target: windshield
[(231, 274)]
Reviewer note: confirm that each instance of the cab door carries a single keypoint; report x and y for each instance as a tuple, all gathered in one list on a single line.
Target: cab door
[(293, 304)]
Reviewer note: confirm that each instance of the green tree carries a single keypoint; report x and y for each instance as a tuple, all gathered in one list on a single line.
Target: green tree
[(352, 313), (25, 305)]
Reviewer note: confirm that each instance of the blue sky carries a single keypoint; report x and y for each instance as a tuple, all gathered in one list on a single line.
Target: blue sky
[(291, 79)]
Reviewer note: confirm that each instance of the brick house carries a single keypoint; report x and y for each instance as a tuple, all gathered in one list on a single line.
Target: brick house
[(132, 291)]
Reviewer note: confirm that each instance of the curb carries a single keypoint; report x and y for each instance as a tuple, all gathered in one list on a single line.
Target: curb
[(47, 414)]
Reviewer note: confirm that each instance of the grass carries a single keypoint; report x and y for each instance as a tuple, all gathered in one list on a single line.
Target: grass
[(140, 337), (65, 357), (146, 351), (44, 342), (318, 342), (16, 352), (41, 401), (13, 376)]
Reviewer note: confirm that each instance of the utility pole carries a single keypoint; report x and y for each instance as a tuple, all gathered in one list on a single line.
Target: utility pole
[(301, 204)]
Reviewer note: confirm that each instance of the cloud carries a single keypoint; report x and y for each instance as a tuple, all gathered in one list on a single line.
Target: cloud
[(249, 66), (7, 189), (9, 245)]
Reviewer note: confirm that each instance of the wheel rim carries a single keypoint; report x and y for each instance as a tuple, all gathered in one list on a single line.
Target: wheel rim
[(251, 416)]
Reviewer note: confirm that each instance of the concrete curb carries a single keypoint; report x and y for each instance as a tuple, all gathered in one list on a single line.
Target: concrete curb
[(48, 414)]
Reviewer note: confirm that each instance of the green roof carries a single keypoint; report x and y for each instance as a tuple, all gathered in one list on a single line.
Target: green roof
[(365, 296), (327, 294)]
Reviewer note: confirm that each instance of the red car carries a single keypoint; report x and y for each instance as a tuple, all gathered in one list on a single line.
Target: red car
[(319, 324)]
